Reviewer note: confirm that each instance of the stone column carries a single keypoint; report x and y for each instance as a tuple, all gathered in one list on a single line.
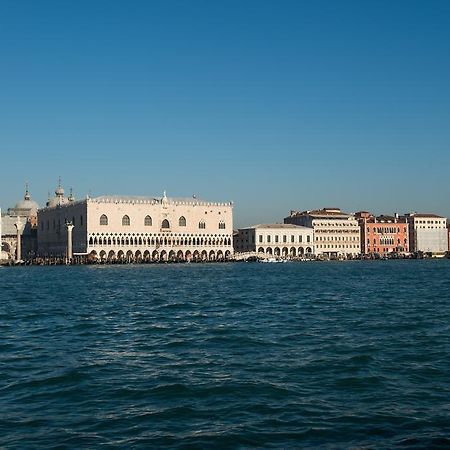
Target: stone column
[(69, 227), (19, 227)]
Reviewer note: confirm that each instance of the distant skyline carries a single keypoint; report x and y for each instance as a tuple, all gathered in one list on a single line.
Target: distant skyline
[(273, 105)]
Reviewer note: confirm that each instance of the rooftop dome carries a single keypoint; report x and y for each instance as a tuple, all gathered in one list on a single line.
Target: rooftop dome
[(27, 204), (59, 198), (59, 191)]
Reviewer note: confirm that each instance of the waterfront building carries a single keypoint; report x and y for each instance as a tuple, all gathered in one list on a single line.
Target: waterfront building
[(131, 228), (427, 233), (448, 236), (336, 233), (275, 239), (19, 230), (383, 235)]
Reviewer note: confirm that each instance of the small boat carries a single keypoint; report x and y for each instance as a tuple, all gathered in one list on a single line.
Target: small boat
[(273, 260)]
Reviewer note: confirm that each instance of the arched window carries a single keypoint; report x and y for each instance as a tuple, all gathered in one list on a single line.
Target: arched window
[(221, 225), (202, 225), (148, 221), (125, 220), (103, 220), (182, 221), (165, 224)]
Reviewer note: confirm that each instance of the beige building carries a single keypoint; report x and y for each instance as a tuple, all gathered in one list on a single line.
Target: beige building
[(335, 233), (284, 240), (136, 228)]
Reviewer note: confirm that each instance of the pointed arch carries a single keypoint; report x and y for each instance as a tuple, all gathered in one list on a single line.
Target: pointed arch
[(126, 221), (182, 221), (103, 219)]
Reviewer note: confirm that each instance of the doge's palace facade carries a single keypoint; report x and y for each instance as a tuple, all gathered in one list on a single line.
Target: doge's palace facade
[(128, 228)]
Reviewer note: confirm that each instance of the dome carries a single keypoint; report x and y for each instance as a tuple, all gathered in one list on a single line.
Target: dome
[(27, 204), (59, 198), (57, 201), (59, 191)]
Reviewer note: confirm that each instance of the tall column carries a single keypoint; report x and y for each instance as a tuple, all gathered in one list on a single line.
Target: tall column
[(69, 227), (19, 227)]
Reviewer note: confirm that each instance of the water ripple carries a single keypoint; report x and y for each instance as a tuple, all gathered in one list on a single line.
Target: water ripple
[(332, 355)]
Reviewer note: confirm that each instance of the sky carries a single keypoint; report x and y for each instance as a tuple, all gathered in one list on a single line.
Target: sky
[(274, 105)]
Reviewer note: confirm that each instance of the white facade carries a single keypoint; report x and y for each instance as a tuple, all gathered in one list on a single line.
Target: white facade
[(428, 233), (275, 239), (335, 233), (138, 228)]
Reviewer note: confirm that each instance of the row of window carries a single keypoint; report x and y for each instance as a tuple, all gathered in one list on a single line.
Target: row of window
[(336, 224), (337, 238), (285, 251), (129, 240), (336, 231), (284, 238), (165, 224), (144, 235), (431, 221), (386, 241), (338, 246), (385, 229)]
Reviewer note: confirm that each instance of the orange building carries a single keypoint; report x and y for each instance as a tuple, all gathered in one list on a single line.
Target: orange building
[(383, 234)]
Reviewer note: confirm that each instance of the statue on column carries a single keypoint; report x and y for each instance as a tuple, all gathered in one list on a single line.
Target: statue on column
[(19, 227)]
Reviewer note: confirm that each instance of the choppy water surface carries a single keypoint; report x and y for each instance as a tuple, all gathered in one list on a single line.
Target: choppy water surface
[(338, 355)]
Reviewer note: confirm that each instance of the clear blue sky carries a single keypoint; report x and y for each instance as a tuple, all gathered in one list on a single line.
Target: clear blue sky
[(276, 105)]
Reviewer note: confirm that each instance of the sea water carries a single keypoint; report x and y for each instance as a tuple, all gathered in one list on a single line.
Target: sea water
[(234, 355)]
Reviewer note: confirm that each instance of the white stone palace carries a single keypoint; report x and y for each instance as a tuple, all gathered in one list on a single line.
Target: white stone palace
[(129, 228), (275, 239)]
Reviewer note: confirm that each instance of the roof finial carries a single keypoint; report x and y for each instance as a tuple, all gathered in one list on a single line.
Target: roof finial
[(27, 194), (71, 197), (164, 200)]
